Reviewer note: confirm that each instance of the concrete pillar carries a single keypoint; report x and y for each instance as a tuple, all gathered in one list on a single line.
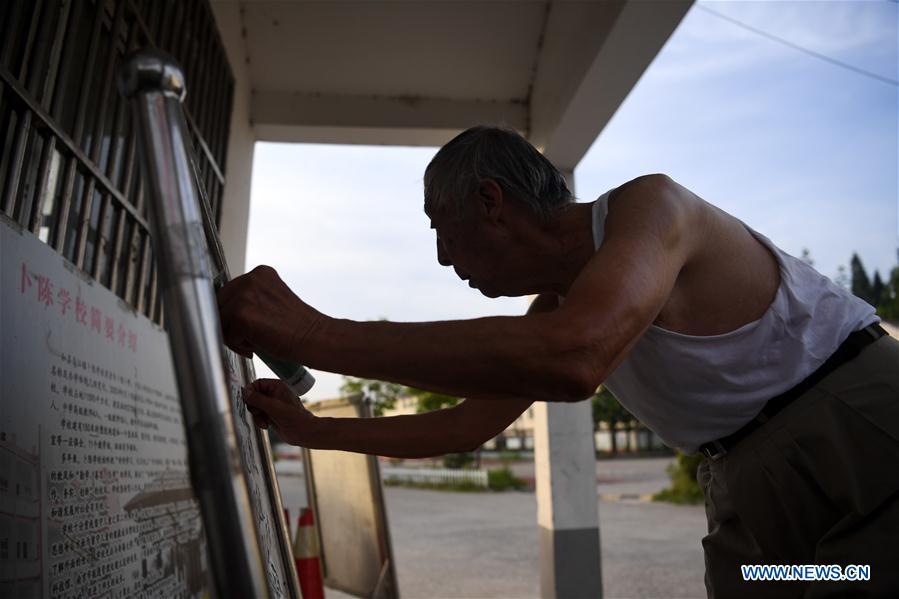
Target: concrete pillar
[(567, 507), (241, 140)]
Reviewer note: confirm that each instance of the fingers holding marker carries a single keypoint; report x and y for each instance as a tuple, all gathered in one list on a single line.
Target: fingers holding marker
[(260, 419), (257, 401), (274, 406), (234, 309), (274, 389), (266, 400), (260, 416), (231, 324)]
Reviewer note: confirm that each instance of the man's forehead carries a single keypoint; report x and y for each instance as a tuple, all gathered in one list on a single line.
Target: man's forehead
[(441, 215)]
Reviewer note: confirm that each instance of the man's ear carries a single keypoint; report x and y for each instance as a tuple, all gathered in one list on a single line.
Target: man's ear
[(490, 199)]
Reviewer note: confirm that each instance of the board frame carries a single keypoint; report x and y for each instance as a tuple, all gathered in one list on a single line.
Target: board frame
[(326, 498), (248, 544)]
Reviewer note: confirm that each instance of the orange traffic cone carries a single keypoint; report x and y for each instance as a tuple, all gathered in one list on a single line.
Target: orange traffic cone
[(306, 554)]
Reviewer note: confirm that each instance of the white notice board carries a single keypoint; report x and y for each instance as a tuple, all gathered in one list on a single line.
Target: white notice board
[(95, 495)]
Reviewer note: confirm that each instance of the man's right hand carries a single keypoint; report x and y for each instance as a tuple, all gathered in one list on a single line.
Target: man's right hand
[(273, 404), (259, 312)]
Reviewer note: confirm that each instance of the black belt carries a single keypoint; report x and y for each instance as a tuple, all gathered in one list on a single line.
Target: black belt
[(849, 349)]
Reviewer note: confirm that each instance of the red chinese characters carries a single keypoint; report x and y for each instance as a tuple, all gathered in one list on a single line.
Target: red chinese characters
[(64, 298), (80, 311), (111, 328), (44, 290)]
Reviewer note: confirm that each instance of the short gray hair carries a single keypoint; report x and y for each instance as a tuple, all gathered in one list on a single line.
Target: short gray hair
[(486, 152)]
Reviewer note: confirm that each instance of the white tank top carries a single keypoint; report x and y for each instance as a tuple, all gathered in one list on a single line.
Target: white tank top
[(694, 389)]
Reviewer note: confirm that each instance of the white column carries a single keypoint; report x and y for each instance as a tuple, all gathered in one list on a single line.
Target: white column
[(241, 141), (567, 508)]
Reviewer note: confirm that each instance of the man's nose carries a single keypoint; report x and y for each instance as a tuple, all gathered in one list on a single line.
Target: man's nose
[(442, 258)]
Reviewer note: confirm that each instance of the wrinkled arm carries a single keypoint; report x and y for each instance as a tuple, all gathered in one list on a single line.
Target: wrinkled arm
[(464, 427), (561, 355), (461, 428)]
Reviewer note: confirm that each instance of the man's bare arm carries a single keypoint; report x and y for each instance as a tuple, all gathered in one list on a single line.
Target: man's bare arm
[(460, 428), (464, 427), (558, 356)]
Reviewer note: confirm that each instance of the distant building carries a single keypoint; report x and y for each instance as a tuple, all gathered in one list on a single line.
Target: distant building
[(519, 436)]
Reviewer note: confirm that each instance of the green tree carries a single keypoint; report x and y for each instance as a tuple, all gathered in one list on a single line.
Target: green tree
[(606, 408), (382, 394), (807, 257), (883, 295), (861, 284), (842, 278), (878, 289), (684, 486), (429, 401), (888, 307)]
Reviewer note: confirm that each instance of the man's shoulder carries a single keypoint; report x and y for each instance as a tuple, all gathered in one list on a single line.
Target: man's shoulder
[(654, 196), (646, 185), (653, 205)]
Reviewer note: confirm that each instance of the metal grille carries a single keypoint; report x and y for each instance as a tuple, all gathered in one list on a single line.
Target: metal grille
[(68, 165)]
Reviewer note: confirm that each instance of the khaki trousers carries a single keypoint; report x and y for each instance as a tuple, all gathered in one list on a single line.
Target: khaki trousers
[(817, 484)]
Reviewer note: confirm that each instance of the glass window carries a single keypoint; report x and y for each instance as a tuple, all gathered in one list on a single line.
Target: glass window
[(49, 194)]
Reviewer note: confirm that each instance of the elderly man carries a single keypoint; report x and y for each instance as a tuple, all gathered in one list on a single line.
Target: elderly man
[(705, 330)]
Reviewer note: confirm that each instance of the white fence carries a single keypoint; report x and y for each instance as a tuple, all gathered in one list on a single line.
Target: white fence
[(393, 474), (289, 467), (433, 476)]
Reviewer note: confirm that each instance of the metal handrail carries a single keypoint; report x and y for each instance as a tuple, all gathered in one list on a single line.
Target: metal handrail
[(154, 85)]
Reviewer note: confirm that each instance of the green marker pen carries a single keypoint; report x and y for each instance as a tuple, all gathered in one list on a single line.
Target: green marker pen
[(294, 375)]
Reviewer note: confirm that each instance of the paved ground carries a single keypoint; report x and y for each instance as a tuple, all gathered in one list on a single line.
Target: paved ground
[(481, 545)]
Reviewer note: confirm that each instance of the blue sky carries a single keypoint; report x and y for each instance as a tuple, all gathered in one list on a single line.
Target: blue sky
[(799, 149)]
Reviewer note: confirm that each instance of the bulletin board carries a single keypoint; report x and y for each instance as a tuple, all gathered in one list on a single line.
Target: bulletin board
[(95, 492), (94, 484), (347, 498)]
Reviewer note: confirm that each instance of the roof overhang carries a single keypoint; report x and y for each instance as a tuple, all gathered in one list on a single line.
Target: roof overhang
[(417, 73)]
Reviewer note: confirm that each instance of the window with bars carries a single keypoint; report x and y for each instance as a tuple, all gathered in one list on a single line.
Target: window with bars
[(68, 162)]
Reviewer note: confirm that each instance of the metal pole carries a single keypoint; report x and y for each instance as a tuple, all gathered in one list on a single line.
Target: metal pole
[(154, 85), (273, 490)]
